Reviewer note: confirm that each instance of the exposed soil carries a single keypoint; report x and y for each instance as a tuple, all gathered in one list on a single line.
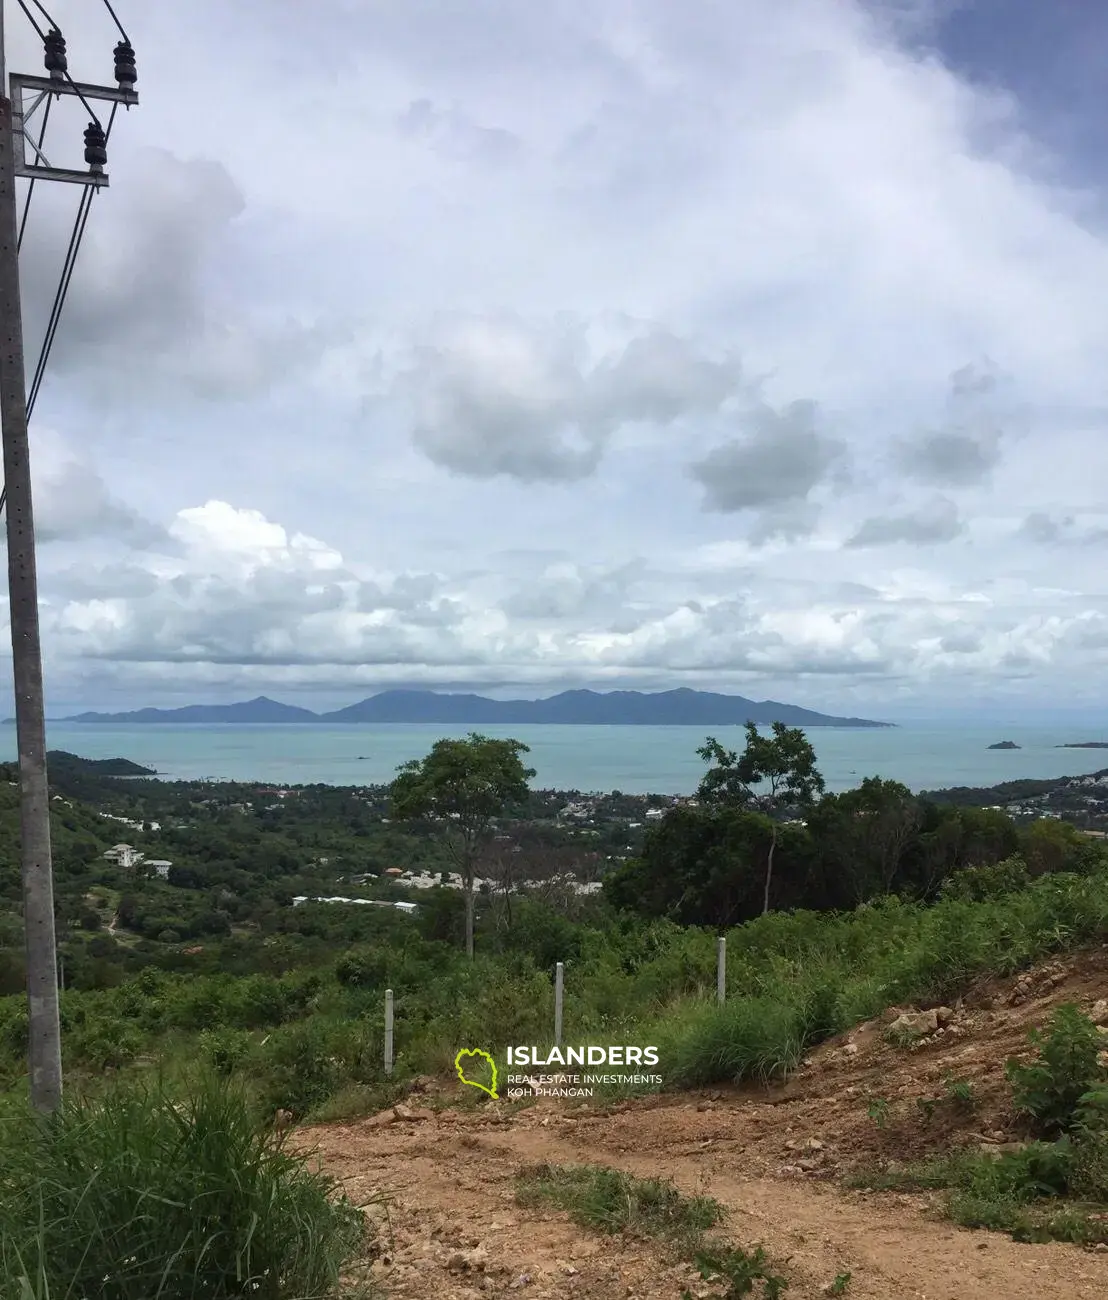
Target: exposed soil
[(773, 1158)]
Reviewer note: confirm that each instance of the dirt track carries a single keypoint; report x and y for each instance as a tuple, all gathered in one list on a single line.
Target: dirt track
[(773, 1159), (457, 1233)]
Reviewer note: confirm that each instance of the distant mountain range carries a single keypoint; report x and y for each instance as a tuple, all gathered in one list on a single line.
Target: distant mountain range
[(681, 707)]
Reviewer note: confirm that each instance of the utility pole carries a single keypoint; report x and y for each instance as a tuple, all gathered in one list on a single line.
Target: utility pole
[(34, 793), (34, 804)]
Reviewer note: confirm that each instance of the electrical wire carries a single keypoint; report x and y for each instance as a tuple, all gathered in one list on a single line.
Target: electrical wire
[(43, 10), (108, 7), (78, 234), (83, 209), (31, 18), (42, 36), (31, 185)]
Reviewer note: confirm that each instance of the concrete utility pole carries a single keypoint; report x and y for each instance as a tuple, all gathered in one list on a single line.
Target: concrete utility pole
[(34, 793), (38, 877)]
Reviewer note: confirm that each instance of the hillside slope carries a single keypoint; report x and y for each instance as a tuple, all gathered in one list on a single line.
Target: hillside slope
[(774, 1159)]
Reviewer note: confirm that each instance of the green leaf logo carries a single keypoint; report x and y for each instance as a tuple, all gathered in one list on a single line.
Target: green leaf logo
[(468, 1057)]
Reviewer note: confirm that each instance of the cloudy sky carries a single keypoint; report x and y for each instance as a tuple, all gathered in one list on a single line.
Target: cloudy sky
[(756, 346)]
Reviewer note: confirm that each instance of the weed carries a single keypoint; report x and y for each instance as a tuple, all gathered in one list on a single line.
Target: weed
[(839, 1285), (134, 1197), (608, 1200), (960, 1091), (611, 1201), (878, 1111), (740, 1269), (1049, 1089)]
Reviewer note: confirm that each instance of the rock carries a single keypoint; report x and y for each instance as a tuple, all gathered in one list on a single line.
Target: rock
[(850, 1049), (468, 1261), (1098, 1014), (914, 1024), (402, 1111), (944, 1015)]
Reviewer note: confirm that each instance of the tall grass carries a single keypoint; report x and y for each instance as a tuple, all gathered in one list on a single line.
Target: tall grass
[(796, 979), (133, 1197), (303, 1039)]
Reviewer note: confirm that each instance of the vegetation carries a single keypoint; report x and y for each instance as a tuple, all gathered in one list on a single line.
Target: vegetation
[(607, 1200), (136, 1197), (1045, 1189), (875, 897), (464, 784), (784, 761)]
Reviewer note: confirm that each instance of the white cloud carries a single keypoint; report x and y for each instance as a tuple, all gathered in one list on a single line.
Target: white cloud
[(634, 342)]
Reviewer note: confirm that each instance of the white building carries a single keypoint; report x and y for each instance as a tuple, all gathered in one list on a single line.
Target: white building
[(124, 855)]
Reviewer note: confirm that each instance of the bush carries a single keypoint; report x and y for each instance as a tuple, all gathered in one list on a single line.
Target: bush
[(225, 1049), (979, 884), (1050, 1089), (134, 1198), (747, 1038)]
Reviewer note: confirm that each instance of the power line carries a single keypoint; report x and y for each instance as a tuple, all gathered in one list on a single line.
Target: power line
[(83, 209), (108, 7), (31, 18), (31, 183), (64, 71), (36, 854), (89, 191)]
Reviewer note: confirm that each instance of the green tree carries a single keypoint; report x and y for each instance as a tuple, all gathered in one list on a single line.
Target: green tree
[(865, 836), (464, 785), (783, 764)]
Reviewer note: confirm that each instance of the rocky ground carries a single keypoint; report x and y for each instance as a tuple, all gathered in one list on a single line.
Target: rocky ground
[(775, 1159)]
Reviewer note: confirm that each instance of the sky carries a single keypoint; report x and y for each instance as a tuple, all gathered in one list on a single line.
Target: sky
[(756, 347)]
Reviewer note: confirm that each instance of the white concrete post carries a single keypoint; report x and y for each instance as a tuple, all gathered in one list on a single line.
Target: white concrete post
[(559, 985), (721, 970), (388, 1031)]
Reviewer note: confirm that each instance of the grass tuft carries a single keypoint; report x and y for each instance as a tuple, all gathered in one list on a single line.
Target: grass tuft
[(610, 1201), (133, 1197)]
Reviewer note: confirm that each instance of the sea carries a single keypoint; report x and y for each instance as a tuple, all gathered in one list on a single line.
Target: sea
[(634, 759)]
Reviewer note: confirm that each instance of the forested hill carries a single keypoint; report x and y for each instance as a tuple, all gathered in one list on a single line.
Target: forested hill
[(681, 707)]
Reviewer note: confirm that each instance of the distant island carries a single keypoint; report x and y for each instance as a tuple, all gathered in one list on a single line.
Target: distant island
[(682, 707), (58, 759), (1005, 744), (1085, 744)]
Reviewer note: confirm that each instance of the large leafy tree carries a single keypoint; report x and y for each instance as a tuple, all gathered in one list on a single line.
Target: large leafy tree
[(464, 785), (866, 838), (774, 774), (704, 866)]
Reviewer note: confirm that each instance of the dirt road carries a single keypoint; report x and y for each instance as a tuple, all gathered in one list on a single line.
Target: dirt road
[(457, 1234), (774, 1159)]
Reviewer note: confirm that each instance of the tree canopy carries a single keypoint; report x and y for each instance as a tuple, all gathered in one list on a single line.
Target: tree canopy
[(773, 773), (465, 784)]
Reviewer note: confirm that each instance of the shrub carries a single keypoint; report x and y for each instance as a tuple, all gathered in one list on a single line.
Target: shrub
[(747, 1038), (1049, 1089), (225, 1049), (979, 884), (134, 1198)]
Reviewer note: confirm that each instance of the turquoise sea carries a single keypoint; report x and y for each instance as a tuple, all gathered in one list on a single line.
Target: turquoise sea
[(637, 760)]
